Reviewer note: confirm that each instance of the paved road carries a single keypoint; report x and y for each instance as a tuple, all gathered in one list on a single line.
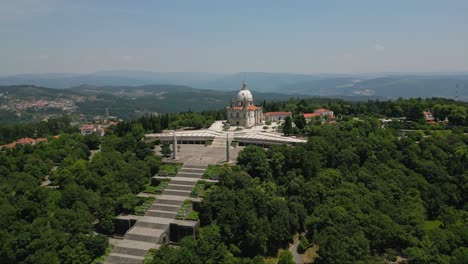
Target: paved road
[(298, 258)]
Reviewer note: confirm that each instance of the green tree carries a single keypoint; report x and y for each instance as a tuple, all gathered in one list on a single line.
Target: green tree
[(285, 257), (287, 126), (254, 160), (92, 141), (166, 150), (415, 113), (300, 121)]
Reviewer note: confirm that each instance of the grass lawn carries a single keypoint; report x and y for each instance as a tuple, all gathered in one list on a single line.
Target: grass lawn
[(141, 209), (156, 189), (197, 189), (311, 254), (184, 210), (169, 169), (193, 216), (101, 259), (271, 260)]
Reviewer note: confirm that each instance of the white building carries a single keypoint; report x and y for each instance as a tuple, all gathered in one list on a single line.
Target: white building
[(428, 116), (243, 112), (324, 112), (276, 116), (89, 129)]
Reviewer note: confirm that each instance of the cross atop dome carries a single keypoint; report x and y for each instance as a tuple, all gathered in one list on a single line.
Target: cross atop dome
[(244, 85)]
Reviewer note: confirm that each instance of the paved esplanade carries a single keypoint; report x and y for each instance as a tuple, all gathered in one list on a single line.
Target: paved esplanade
[(216, 130), (151, 230)]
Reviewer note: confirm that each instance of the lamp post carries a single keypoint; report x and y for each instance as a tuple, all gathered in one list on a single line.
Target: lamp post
[(174, 146), (227, 148)]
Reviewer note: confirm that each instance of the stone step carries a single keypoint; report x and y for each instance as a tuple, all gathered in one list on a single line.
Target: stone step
[(220, 145), (189, 175), (194, 166), (152, 225), (130, 251), (167, 202), (182, 182), (142, 238), (162, 214), (161, 207), (176, 192), (136, 244), (194, 171), (123, 259), (171, 186)]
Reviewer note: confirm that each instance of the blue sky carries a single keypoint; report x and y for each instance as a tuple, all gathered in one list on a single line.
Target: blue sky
[(38, 36)]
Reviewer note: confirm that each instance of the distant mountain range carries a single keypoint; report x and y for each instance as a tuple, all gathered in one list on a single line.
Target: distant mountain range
[(326, 85)]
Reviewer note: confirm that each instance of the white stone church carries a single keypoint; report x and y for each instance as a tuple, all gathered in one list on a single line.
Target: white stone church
[(243, 112)]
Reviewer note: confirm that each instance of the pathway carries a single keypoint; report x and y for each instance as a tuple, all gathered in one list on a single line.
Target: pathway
[(151, 230), (298, 258)]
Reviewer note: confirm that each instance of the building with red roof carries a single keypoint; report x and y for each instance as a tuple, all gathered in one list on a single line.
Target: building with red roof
[(309, 116), (25, 140), (324, 112), (276, 116), (88, 129), (428, 117), (243, 112)]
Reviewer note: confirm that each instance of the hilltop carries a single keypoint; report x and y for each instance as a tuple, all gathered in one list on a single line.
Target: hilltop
[(380, 85)]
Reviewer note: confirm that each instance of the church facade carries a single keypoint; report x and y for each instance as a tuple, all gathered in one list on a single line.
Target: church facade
[(243, 112)]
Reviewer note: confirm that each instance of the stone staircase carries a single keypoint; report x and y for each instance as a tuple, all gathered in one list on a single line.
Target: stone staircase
[(219, 141), (151, 230)]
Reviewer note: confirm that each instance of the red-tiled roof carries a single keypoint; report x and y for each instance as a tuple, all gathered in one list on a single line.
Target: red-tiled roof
[(25, 141), (40, 139), (310, 115), (250, 107), (277, 114), (56, 136), (87, 127), (322, 110)]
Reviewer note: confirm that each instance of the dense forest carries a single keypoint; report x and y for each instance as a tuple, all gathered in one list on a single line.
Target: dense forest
[(441, 108), (187, 120), (53, 126), (65, 222), (359, 192), (150, 123)]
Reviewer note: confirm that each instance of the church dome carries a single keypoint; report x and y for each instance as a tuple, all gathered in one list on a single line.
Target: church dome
[(244, 93)]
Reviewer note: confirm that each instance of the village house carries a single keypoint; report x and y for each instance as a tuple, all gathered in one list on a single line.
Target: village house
[(310, 116), (326, 115), (23, 141), (428, 117), (88, 129), (276, 116)]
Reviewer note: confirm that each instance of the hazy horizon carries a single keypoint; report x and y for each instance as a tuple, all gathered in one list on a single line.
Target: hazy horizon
[(296, 37), (103, 72)]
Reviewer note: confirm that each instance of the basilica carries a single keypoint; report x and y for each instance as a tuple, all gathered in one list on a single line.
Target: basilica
[(243, 112)]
